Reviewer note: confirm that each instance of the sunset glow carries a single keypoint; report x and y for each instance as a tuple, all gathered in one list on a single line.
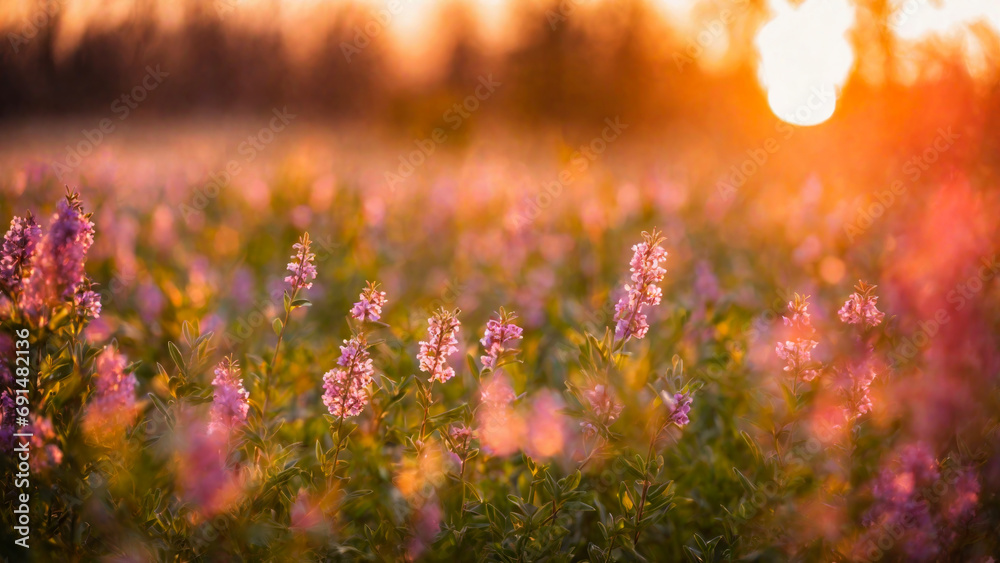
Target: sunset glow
[(499, 280), (805, 58)]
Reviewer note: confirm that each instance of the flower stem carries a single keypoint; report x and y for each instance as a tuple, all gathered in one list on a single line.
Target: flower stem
[(461, 480), (647, 481), (336, 453), (427, 407), (274, 357)]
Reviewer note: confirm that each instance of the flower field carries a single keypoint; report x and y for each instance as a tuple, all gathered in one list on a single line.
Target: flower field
[(630, 287), (305, 368)]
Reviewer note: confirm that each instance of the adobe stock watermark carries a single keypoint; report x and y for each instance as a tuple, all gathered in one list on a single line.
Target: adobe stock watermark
[(960, 296), (249, 149), (225, 7), (709, 34), (764, 493), (454, 116), (739, 174), (39, 19), (364, 35), (913, 168), (579, 162), (562, 11), (903, 12), (122, 107)]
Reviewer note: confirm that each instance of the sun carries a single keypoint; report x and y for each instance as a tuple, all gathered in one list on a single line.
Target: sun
[(805, 58)]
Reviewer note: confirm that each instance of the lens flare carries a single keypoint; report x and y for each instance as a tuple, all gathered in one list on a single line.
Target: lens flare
[(805, 58)]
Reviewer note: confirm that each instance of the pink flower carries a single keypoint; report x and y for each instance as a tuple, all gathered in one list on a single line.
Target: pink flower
[(799, 319), (346, 387), (18, 249), (499, 332), (87, 302), (606, 408), (369, 307), (497, 392), (963, 502), (204, 477), (306, 514), (679, 406), (426, 526), (797, 352), (643, 291), (854, 384), (501, 430), (899, 503), (460, 439), (546, 424), (230, 401), (112, 407), (860, 307), (797, 355), (57, 270), (46, 453), (302, 267), (441, 342)]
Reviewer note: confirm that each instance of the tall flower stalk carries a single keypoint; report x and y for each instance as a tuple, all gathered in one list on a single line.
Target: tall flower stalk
[(346, 387), (442, 342), (18, 249), (230, 401), (860, 308), (501, 333), (369, 305), (112, 407), (797, 350), (57, 275), (856, 377), (630, 320), (678, 406), (495, 412), (459, 439), (303, 271)]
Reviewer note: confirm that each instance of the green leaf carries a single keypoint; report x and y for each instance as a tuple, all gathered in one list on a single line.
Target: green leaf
[(357, 494), (495, 516), (624, 498), (472, 490), (750, 487), (186, 332), (158, 404), (473, 368), (175, 353), (754, 449), (277, 326), (530, 463), (572, 481)]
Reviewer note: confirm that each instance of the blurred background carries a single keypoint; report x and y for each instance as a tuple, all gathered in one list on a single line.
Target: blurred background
[(716, 68)]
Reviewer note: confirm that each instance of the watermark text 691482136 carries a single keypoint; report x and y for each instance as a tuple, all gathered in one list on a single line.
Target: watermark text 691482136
[(22, 438)]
